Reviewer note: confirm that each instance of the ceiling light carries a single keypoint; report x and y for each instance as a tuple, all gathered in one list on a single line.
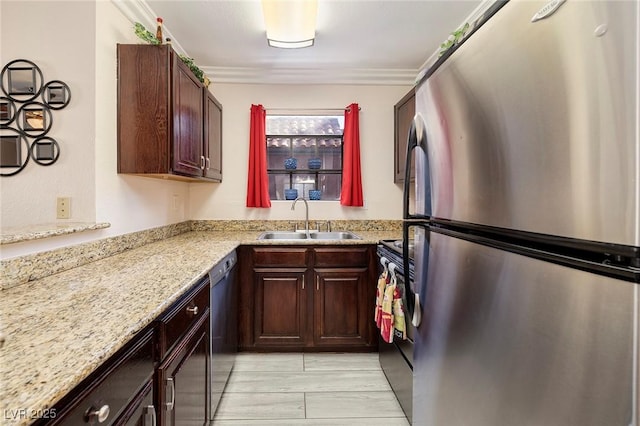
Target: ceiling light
[(290, 23)]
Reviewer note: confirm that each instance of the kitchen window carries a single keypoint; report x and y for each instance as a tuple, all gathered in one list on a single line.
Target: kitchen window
[(304, 156)]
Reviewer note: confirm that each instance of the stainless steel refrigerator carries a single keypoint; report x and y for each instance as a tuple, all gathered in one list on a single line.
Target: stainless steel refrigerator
[(526, 219)]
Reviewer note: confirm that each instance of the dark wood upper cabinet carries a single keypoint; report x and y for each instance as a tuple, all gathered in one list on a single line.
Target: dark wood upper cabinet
[(404, 112), (188, 119), (212, 137), (167, 126)]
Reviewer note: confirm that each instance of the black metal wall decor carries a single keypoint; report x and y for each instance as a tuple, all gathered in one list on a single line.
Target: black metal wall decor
[(22, 117)]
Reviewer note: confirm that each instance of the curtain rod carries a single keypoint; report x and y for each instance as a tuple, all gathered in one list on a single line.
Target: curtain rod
[(310, 109)]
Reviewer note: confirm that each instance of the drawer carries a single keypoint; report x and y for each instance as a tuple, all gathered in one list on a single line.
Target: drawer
[(341, 256), (179, 318), (112, 388), (279, 257)]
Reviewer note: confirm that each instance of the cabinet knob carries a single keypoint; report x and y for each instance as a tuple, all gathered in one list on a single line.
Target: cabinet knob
[(193, 310), (97, 414)]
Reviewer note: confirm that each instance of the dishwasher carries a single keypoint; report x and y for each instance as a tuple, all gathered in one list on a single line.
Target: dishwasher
[(224, 326)]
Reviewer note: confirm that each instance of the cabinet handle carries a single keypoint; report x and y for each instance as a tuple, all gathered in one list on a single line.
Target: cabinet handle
[(208, 162), (202, 162), (317, 283), (97, 414), (171, 404), (193, 310), (303, 282), (150, 410)]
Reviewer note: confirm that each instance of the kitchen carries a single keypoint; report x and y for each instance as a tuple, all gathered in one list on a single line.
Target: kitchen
[(131, 204)]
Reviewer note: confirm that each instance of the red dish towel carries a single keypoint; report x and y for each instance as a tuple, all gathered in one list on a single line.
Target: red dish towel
[(386, 327), (382, 283), (399, 323)]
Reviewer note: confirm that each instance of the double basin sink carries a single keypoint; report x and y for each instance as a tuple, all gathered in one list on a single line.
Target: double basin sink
[(313, 235)]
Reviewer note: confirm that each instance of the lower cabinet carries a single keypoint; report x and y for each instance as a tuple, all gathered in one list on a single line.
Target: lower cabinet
[(307, 298), (281, 307), (142, 411), (341, 305), (182, 376), (117, 393), (160, 377)]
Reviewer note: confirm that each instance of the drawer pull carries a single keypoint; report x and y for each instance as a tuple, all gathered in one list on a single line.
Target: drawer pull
[(150, 412), (97, 414), (193, 310), (172, 386)]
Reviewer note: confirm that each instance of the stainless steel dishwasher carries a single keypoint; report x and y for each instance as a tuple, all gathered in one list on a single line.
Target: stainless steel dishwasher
[(224, 326)]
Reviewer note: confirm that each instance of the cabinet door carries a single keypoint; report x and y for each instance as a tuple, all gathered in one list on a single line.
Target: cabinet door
[(183, 381), (341, 307), (188, 116), (280, 307), (141, 412), (212, 137), (404, 112), (110, 391)]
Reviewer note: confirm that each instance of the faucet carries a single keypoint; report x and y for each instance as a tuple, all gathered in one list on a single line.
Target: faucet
[(306, 218)]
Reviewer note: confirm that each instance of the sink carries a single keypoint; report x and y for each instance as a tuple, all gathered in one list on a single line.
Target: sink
[(282, 235), (342, 235), (315, 235)]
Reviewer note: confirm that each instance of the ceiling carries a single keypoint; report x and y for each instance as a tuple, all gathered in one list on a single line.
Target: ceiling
[(357, 41)]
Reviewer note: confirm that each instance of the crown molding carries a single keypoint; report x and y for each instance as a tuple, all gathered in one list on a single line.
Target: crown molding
[(139, 11), (350, 76)]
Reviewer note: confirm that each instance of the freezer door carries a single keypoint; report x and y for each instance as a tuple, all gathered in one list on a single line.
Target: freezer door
[(510, 340), (533, 125)]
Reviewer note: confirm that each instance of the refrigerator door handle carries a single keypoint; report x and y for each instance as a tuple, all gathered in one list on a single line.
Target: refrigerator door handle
[(417, 138), (412, 298)]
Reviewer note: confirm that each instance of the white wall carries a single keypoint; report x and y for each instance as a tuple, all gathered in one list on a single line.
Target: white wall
[(129, 203), (383, 199), (76, 42), (59, 37)]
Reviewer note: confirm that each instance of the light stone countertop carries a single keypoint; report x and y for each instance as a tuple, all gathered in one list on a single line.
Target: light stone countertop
[(60, 328)]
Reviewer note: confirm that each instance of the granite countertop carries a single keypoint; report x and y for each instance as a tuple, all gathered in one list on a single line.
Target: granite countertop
[(60, 328)]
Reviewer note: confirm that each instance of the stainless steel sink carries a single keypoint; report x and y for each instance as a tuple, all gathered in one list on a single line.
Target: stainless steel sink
[(314, 235), (282, 235), (341, 235)]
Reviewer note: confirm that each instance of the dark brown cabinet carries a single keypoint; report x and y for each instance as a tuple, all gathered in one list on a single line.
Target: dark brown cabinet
[(115, 393), (347, 322), (182, 376), (404, 112), (307, 298), (160, 377), (212, 137), (166, 126), (281, 313)]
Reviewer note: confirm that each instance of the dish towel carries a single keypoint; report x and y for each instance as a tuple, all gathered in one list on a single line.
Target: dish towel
[(387, 324), (399, 324), (382, 283)]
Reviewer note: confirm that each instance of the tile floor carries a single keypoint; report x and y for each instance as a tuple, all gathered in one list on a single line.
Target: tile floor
[(308, 389)]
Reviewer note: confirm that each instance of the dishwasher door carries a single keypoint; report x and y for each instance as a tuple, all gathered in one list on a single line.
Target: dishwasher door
[(224, 326)]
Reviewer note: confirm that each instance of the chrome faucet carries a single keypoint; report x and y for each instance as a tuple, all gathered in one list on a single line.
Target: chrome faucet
[(306, 218)]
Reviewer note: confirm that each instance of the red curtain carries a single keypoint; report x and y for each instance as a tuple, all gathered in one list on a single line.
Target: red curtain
[(351, 194), (258, 181)]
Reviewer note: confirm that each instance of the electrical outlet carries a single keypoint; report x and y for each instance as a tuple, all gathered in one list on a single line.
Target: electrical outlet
[(63, 210)]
